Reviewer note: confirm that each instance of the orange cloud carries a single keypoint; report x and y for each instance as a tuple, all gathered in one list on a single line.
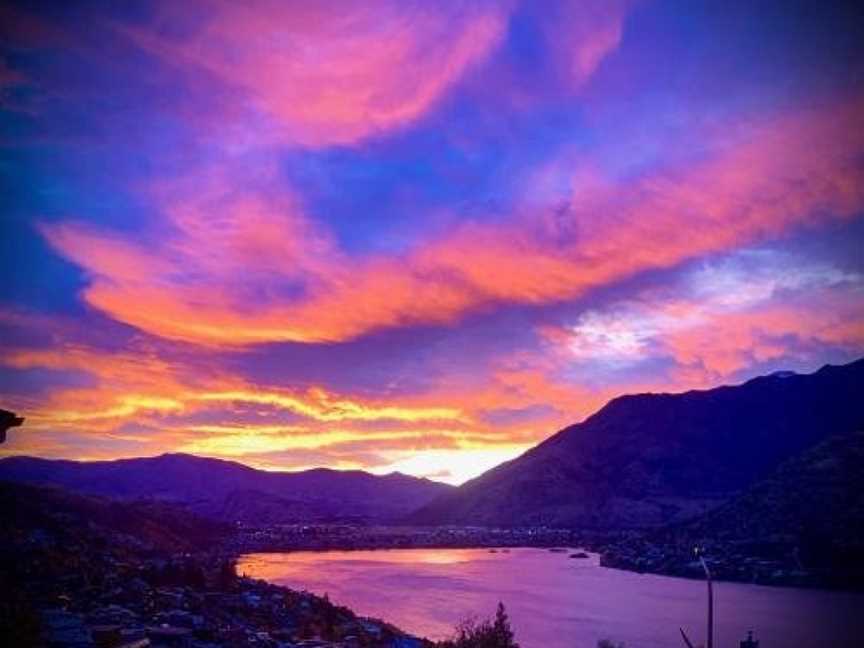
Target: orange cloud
[(138, 402), (320, 405), (146, 398), (145, 388)]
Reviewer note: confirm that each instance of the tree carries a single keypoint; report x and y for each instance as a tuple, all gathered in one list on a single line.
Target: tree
[(495, 633), (501, 628)]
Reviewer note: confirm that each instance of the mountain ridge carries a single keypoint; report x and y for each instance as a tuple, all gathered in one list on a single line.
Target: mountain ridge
[(207, 485), (644, 459), (654, 458)]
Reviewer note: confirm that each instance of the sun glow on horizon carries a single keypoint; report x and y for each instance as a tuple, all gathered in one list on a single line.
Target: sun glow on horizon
[(452, 466)]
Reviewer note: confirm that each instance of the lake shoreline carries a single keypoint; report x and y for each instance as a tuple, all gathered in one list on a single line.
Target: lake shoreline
[(632, 551)]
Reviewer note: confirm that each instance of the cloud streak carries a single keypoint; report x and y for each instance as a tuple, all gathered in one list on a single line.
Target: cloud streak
[(297, 285)]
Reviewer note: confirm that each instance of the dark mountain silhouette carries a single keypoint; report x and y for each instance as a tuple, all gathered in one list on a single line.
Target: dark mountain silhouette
[(651, 459), (231, 490)]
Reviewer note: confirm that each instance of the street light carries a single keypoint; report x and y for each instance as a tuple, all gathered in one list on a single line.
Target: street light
[(710, 640), (700, 553)]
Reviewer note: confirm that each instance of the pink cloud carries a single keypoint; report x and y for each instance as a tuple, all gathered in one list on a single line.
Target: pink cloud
[(241, 266), (754, 309), (577, 37), (726, 343), (330, 72), (583, 34)]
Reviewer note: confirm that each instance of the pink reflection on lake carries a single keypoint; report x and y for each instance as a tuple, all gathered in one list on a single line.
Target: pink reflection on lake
[(559, 602)]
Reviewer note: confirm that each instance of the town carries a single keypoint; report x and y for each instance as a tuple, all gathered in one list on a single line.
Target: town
[(670, 554)]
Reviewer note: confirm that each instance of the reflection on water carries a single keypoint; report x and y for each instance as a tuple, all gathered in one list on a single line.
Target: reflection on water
[(559, 602)]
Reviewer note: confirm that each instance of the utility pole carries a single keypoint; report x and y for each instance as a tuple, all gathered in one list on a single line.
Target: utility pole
[(710, 639)]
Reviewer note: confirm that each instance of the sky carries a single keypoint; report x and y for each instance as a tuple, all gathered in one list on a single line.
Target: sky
[(399, 235)]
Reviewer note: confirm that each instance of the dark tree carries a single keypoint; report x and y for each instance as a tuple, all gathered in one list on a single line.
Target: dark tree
[(501, 628), (495, 633)]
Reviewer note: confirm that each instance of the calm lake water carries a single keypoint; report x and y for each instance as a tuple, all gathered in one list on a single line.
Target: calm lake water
[(559, 602)]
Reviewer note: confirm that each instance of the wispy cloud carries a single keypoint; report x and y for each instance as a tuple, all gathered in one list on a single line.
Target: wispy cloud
[(297, 285)]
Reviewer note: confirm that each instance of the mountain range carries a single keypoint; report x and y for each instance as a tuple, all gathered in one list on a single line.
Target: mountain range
[(651, 459), (232, 491), (643, 460)]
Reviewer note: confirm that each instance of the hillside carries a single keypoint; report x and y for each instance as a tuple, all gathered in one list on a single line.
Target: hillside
[(77, 518), (798, 526), (652, 459), (233, 491), (815, 498)]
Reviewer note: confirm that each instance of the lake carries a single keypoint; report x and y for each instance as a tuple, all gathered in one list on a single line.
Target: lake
[(555, 601)]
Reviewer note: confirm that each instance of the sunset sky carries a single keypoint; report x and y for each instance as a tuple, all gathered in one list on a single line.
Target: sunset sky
[(412, 235)]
